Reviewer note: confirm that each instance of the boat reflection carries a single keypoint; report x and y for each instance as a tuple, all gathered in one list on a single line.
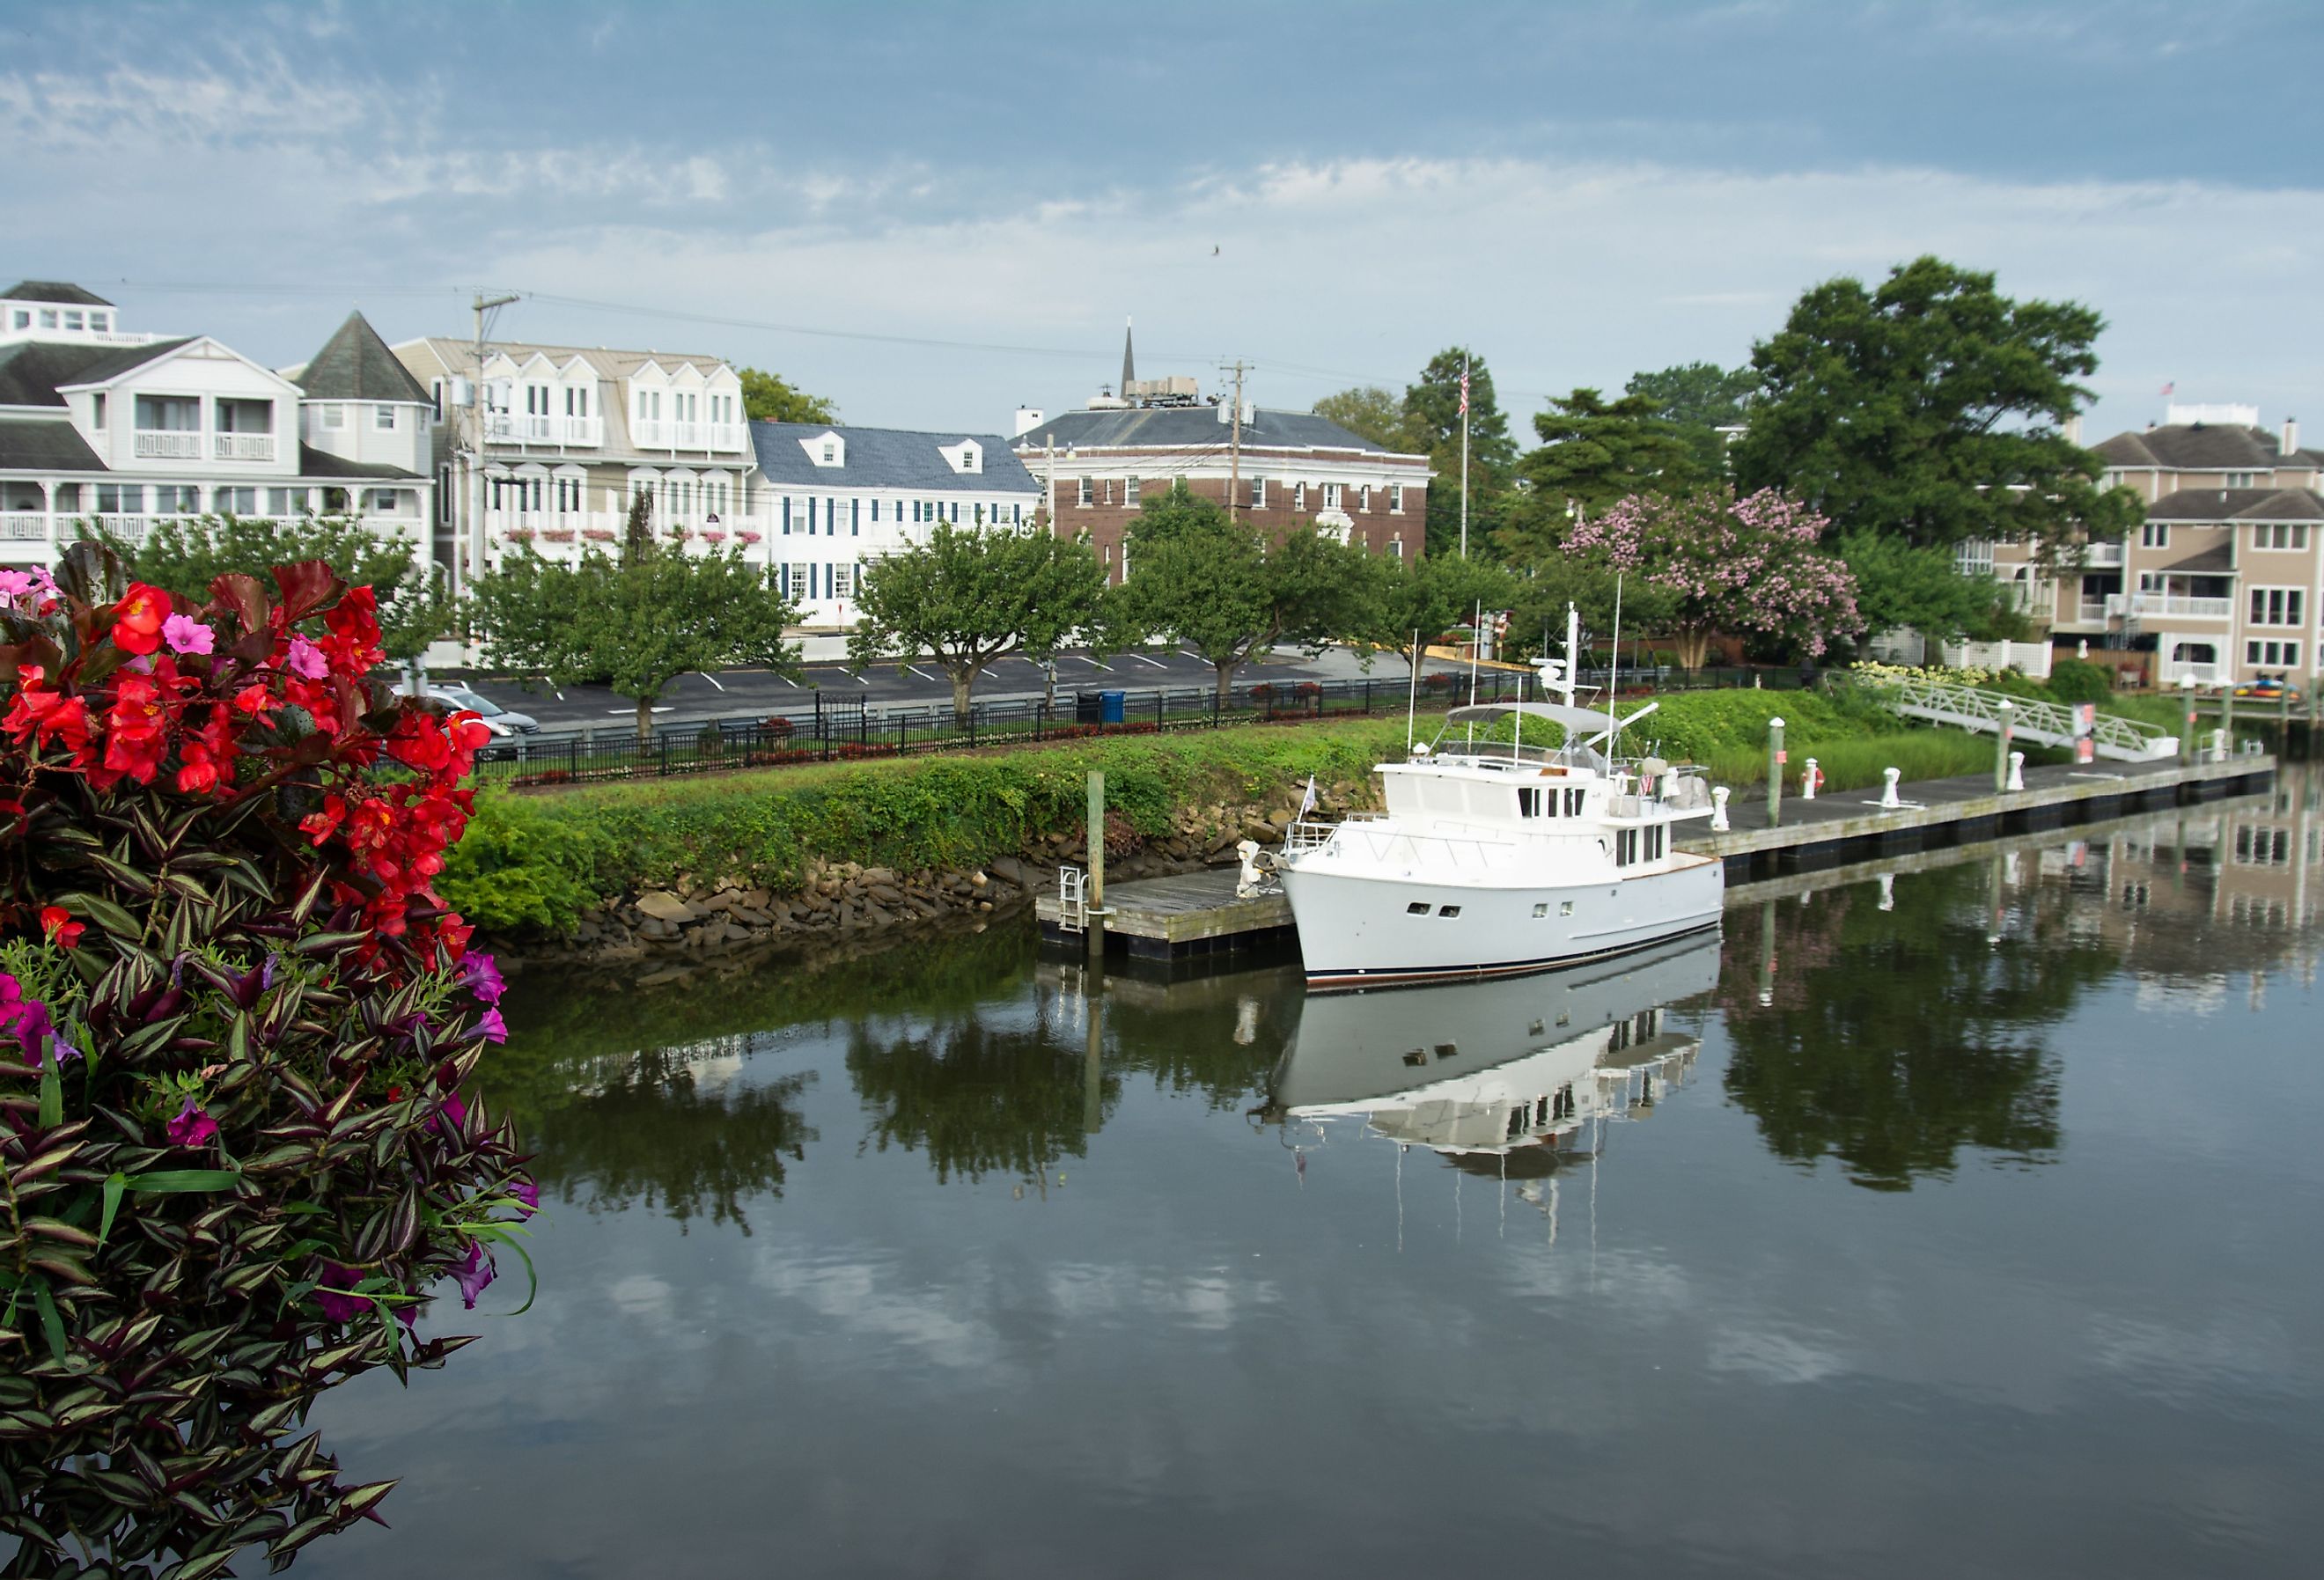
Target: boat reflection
[(1507, 1078)]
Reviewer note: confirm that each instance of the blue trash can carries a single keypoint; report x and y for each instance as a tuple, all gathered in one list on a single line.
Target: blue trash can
[(1109, 707)]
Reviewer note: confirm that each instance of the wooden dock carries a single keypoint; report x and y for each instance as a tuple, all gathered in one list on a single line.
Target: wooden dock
[(1195, 917)]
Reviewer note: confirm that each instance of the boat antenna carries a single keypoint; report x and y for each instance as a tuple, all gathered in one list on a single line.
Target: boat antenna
[(1476, 641), (1412, 700), (1614, 668)]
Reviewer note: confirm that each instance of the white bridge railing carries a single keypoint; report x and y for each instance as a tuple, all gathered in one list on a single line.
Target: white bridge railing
[(2048, 723)]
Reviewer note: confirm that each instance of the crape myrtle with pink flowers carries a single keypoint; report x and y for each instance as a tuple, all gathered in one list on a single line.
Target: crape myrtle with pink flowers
[(239, 1147), (1747, 567)]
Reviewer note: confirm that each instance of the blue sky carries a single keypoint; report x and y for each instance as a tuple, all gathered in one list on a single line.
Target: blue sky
[(964, 201)]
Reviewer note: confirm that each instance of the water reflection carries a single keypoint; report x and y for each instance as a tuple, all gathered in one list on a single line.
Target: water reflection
[(1505, 1076)]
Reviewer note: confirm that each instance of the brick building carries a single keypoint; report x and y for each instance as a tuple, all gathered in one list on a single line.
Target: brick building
[(1284, 470)]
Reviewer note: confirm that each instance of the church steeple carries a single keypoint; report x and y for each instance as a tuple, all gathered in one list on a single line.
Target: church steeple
[(1128, 362)]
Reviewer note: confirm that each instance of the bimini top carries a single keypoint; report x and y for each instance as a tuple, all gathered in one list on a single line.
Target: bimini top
[(1588, 721)]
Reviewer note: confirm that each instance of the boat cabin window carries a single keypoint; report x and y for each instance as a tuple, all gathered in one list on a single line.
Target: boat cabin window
[(1656, 837), (1625, 847), (1574, 802), (1529, 802), (1418, 908), (1448, 910)]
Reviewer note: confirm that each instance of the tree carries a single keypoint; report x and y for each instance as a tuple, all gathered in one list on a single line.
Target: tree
[(1924, 588), (1434, 406), (970, 597), (769, 397), (1698, 399), (1593, 452), (1935, 408), (636, 624), (1219, 587), (187, 554), (1377, 414), (1431, 596), (1748, 567)]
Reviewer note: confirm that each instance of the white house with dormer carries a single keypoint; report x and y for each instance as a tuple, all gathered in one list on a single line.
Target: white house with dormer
[(101, 426), (830, 499)]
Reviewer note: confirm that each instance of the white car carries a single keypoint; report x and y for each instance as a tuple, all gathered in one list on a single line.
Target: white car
[(500, 721)]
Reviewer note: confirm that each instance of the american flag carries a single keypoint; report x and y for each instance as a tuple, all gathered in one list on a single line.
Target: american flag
[(1465, 391), (2170, 388)]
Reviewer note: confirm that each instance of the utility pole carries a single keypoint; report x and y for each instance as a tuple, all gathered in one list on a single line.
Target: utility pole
[(1235, 447), (474, 559)]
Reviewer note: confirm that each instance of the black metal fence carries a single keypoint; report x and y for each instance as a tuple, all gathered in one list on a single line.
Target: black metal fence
[(843, 729)]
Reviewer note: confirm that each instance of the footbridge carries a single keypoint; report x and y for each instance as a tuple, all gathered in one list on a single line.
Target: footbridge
[(2047, 724)]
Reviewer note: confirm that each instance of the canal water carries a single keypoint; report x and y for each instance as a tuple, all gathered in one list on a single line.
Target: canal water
[(1959, 1218)]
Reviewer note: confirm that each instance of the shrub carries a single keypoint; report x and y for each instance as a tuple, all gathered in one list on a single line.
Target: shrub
[(2079, 680), (238, 1024)]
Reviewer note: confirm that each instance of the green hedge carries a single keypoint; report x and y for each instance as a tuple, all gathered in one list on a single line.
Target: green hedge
[(534, 863)]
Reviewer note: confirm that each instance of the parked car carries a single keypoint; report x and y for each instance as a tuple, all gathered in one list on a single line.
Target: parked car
[(499, 720), (2268, 688)]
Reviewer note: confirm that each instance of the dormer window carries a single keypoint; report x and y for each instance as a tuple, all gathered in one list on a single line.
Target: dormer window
[(826, 449), (830, 453), (100, 322)]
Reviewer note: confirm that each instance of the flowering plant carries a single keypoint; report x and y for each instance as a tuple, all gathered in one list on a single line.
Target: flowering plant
[(1748, 566), (712, 535), (748, 536), (598, 534), (235, 1024), (556, 535), (519, 534)]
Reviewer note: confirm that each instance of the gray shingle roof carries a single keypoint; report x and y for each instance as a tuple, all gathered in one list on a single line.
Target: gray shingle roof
[(1191, 427), (56, 290), (2238, 504), (886, 458), (315, 462), (356, 364), (41, 446), (2199, 447), (2218, 559), (33, 370)]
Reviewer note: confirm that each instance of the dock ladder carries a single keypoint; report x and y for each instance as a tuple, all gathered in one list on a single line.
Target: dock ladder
[(1072, 900)]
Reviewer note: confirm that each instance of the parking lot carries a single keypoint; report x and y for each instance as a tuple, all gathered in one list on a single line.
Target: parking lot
[(740, 693)]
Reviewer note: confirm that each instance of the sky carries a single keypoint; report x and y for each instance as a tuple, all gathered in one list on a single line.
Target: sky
[(933, 214)]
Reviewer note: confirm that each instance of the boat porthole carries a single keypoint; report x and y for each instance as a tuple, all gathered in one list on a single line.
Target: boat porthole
[(1448, 910)]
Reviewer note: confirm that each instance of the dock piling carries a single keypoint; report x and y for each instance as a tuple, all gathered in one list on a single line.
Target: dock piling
[(1774, 772), (2008, 712), (1096, 899)]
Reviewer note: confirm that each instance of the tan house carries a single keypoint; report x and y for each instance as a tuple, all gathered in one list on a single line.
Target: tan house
[(547, 445), (2225, 579)]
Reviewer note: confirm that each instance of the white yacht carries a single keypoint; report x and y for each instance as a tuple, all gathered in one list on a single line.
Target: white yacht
[(1496, 857)]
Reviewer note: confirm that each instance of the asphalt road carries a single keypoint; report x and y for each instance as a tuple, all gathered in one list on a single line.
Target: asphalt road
[(758, 693)]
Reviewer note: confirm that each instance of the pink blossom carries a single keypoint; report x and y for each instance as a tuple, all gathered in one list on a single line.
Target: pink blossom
[(186, 634), (306, 658)]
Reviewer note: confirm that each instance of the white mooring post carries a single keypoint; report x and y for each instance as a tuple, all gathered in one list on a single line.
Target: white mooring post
[(1889, 800), (2018, 771), (1809, 777), (1718, 824)]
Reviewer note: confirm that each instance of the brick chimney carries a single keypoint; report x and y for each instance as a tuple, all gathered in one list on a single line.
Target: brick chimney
[(2290, 444)]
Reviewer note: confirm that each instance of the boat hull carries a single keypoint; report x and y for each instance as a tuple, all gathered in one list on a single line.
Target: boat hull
[(1357, 928)]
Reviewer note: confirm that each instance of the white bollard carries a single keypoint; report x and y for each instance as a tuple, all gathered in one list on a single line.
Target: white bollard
[(2018, 771), (2218, 746), (1809, 778), (1718, 824), (1889, 798)]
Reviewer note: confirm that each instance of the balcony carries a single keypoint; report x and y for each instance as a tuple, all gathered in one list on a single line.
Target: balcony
[(654, 434), (2090, 612), (2145, 604), (2102, 555), (168, 444), (526, 427), (241, 447)]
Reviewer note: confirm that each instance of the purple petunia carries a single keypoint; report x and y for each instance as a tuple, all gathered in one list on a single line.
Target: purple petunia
[(492, 1026), (188, 635), (474, 1273), (27, 1019), (484, 974), (336, 1303), (193, 1126), (527, 1193)]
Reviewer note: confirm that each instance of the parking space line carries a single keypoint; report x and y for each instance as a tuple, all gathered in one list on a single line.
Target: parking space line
[(923, 674), (1142, 658)]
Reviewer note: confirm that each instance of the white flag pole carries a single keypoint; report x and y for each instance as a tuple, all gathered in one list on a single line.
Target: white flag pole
[(1464, 461)]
